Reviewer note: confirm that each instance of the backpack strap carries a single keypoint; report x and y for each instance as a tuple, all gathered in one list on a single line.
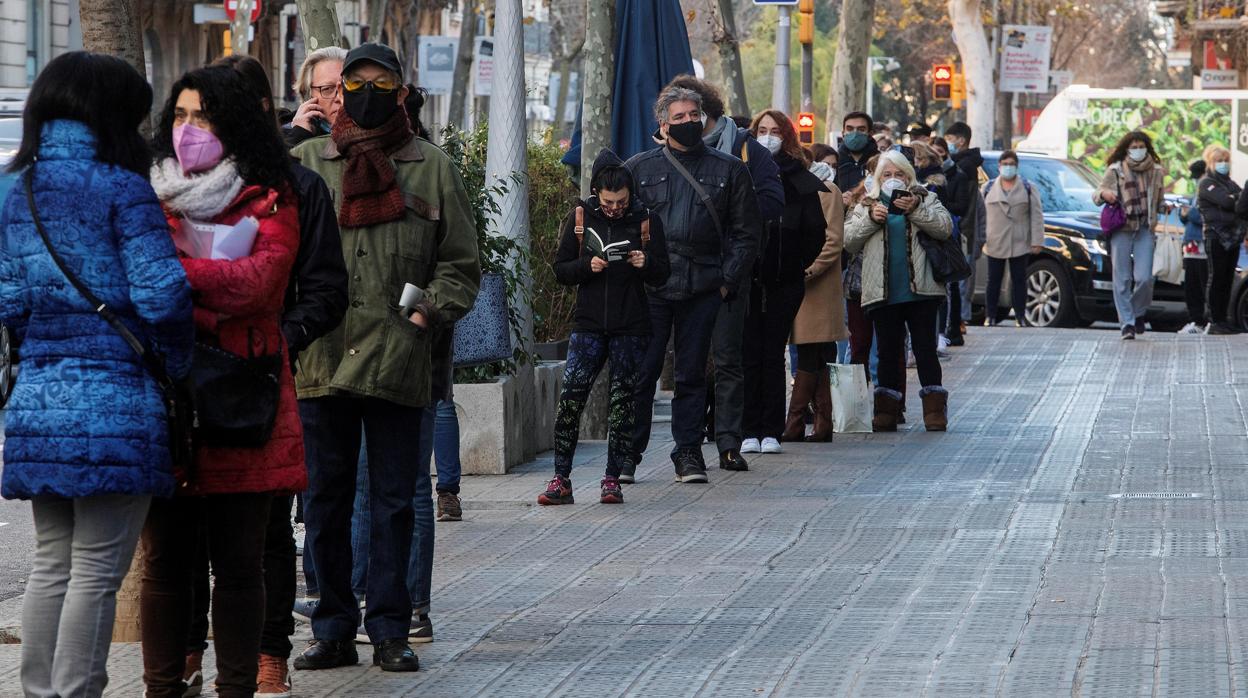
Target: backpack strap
[(579, 227), (745, 151), (645, 232)]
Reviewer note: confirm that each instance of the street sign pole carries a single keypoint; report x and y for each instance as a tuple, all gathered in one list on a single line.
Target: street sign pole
[(780, 79)]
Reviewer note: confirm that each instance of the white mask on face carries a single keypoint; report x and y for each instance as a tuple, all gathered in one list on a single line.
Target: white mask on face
[(869, 182), (1137, 154), (891, 185), (770, 142)]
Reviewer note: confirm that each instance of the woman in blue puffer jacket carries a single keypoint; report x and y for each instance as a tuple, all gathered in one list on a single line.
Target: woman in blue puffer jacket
[(86, 439)]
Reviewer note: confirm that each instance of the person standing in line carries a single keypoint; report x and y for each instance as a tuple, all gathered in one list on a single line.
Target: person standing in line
[(1195, 260), (1133, 180), (1015, 232), (973, 225), (87, 436), (1218, 199), (963, 195), (611, 249), (898, 291), (319, 86), (711, 246)]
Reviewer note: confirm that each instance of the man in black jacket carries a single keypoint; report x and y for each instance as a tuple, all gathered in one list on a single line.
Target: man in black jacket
[(724, 135), (856, 149), (968, 161), (961, 195), (711, 248)]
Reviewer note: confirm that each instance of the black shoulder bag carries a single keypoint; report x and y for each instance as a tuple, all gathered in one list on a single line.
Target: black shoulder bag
[(945, 257), (177, 397)]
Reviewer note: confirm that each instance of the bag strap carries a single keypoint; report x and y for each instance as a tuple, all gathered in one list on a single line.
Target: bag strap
[(697, 187), (745, 151), (579, 228), (155, 366)]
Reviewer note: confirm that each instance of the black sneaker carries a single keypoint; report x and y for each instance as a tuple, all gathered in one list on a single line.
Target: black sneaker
[(421, 629), (956, 340), (327, 654), (611, 492), (1128, 332), (395, 655), (1139, 327), (689, 466), (733, 460), (628, 471), (1221, 328), (558, 491)]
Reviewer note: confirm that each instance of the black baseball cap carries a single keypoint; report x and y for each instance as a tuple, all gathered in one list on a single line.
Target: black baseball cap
[(380, 54)]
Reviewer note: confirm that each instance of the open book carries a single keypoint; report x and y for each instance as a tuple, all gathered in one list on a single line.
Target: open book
[(614, 252)]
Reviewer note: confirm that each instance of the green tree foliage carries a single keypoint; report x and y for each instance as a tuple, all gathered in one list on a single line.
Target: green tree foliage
[(551, 195), (758, 57)]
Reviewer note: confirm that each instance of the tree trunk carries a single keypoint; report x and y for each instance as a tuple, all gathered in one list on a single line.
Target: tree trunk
[(377, 11), (319, 21), (599, 81), (112, 27), (561, 98), (849, 72), (967, 17), (724, 35), (463, 65)]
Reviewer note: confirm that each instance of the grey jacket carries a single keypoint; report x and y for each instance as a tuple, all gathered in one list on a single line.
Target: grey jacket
[(863, 235), (1015, 219)]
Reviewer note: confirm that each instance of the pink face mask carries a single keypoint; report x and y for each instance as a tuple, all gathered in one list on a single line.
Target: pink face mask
[(197, 149)]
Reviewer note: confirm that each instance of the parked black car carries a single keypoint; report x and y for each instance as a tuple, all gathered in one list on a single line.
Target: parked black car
[(1070, 284)]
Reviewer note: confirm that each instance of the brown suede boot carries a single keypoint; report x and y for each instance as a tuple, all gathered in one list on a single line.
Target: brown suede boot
[(887, 409), (803, 391), (935, 408), (822, 430)]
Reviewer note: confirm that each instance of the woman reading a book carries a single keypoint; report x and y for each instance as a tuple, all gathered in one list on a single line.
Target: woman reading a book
[(611, 249)]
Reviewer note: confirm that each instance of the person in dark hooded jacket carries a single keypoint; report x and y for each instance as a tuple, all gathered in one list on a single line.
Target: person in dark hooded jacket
[(611, 249)]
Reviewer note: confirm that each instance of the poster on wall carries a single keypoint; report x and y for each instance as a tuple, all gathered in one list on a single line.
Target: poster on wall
[(483, 77), (437, 63), (1025, 58)]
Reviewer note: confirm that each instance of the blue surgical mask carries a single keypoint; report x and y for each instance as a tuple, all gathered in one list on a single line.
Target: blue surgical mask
[(856, 141), (1222, 168), (1137, 154), (1009, 171), (953, 148)]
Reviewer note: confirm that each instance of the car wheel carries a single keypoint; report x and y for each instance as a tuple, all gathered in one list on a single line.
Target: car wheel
[(1050, 297), (6, 366)]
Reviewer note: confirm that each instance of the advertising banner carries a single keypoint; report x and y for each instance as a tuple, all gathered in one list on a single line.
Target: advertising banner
[(437, 63), (1025, 58)]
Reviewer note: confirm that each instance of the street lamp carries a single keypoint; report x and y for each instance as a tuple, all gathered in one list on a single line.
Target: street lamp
[(886, 63)]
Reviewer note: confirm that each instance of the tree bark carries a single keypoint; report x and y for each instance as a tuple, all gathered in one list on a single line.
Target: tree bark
[(377, 11), (849, 72), (463, 64), (112, 27), (724, 35), (319, 21), (561, 99), (599, 81), (967, 17)]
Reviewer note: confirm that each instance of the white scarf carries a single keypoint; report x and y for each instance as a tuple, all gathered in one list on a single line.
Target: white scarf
[(200, 197)]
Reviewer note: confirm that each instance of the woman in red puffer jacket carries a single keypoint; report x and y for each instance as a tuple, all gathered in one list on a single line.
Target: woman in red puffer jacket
[(223, 163)]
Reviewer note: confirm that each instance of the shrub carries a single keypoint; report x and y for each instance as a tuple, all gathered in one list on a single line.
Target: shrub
[(551, 196)]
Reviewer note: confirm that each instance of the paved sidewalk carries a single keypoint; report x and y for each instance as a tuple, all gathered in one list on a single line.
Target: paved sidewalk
[(1081, 530)]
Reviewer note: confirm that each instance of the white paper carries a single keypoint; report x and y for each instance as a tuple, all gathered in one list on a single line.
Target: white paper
[(216, 241)]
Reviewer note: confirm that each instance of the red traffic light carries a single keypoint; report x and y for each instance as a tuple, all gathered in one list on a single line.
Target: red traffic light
[(805, 120), (806, 128), (942, 73)]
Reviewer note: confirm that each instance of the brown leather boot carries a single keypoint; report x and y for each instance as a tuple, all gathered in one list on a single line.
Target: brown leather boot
[(822, 430), (935, 408), (887, 409), (803, 391)]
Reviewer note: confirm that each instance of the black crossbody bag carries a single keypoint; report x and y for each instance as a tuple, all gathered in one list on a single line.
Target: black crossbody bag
[(178, 397)]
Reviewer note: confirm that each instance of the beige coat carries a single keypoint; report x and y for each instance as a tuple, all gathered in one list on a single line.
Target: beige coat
[(822, 315), (864, 235), (1015, 220)]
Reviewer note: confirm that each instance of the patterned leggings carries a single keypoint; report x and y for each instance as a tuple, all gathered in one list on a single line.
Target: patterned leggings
[(588, 352)]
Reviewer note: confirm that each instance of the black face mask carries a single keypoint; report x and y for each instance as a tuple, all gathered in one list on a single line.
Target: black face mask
[(688, 134), (368, 108)]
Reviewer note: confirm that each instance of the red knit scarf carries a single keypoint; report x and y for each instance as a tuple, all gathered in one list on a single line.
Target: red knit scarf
[(370, 185)]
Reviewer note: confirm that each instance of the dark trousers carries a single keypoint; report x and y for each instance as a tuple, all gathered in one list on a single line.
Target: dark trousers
[(692, 321), (1018, 286), (588, 353), (891, 323), (768, 325), (861, 333), (954, 328), (234, 525), (332, 432), (813, 357), (1222, 263), (729, 385), (1195, 278)]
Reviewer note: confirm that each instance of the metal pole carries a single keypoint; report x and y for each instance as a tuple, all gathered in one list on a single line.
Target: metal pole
[(808, 77), (241, 26), (871, 86), (780, 79)]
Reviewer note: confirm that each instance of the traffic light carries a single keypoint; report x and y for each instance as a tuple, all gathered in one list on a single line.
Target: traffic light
[(942, 81), (806, 128), (959, 90), (806, 21)]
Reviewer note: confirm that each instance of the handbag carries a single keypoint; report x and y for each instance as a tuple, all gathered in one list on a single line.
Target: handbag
[(483, 336), (1113, 216), (236, 396), (946, 259), (177, 397)]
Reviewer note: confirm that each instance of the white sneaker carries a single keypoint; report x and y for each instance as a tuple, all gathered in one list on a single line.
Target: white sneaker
[(770, 445), (1191, 328), (750, 446)]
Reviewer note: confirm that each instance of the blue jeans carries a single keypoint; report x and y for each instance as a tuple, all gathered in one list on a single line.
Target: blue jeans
[(332, 438), (1131, 253), (444, 446)]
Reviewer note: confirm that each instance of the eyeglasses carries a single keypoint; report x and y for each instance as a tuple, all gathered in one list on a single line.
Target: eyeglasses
[(326, 91), (383, 84)]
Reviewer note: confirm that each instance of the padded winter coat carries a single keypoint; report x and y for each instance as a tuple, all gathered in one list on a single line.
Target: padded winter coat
[(863, 235), (85, 418)]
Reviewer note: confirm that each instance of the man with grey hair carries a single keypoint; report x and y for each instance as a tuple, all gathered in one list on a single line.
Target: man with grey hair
[(706, 201), (319, 81)]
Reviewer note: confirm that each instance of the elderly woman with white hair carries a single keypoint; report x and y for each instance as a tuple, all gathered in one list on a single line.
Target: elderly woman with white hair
[(899, 291), (1218, 196)]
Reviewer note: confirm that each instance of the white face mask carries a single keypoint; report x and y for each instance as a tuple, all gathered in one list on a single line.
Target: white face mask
[(891, 185), (869, 182), (770, 142), (1137, 154)]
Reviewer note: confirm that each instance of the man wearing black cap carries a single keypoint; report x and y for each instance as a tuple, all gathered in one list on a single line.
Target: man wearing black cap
[(409, 240)]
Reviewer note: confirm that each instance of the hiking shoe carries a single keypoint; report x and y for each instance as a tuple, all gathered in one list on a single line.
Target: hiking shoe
[(628, 471), (611, 492), (689, 466), (772, 445), (558, 491), (193, 675), (1128, 332), (327, 654), (751, 446), (732, 460), (304, 608), (272, 678), (421, 628), (449, 508)]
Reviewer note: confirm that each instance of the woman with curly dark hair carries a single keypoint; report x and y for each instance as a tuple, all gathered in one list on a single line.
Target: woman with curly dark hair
[(222, 172)]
